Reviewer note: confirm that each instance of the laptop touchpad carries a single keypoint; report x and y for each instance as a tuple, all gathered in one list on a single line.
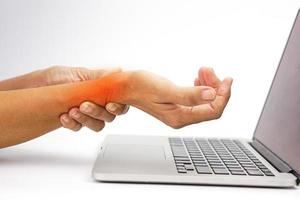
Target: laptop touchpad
[(134, 152), (135, 158)]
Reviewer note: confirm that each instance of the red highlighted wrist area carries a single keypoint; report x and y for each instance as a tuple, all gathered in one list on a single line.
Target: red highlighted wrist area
[(111, 88)]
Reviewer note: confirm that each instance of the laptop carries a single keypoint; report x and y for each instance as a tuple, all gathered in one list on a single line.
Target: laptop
[(270, 159)]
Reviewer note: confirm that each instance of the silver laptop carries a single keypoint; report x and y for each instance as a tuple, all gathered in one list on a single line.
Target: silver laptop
[(270, 159)]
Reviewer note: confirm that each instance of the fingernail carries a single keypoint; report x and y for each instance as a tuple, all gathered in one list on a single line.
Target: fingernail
[(86, 108), (208, 94), (112, 107), (76, 114)]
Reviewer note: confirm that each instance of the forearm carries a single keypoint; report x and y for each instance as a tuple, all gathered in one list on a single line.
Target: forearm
[(26, 114), (30, 80)]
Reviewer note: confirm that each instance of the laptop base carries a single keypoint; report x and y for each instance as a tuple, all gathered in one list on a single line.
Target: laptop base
[(150, 159)]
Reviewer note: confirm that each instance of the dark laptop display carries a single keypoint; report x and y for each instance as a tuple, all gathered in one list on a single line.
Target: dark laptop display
[(279, 125)]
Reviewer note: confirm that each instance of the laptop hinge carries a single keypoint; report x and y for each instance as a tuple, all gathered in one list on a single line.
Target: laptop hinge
[(271, 157), (274, 160), (297, 175)]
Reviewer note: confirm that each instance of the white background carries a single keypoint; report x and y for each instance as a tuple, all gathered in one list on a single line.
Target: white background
[(242, 39)]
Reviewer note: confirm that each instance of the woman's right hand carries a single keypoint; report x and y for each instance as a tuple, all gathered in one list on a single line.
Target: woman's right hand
[(88, 114), (180, 106)]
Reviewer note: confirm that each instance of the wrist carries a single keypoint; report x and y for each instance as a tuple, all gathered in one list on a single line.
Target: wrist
[(124, 88), (116, 87), (112, 88)]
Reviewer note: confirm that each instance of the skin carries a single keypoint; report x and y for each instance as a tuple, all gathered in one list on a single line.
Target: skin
[(93, 118), (39, 108), (88, 114)]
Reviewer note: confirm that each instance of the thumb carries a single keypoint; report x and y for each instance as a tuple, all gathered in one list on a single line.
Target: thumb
[(192, 96), (91, 74)]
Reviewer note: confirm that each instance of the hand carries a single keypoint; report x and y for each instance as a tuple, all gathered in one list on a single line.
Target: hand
[(180, 106), (88, 114)]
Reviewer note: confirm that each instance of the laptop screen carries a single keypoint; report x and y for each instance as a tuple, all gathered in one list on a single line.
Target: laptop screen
[(279, 125)]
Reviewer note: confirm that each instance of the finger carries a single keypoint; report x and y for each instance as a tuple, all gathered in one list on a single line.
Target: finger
[(208, 77), (89, 122), (197, 82), (91, 74), (117, 109), (96, 111), (211, 78), (126, 109), (70, 123), (201, 76), (223, 95), (212, 110), (191, 96)]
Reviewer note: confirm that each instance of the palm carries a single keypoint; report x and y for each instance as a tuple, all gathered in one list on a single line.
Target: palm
[(179, 106)]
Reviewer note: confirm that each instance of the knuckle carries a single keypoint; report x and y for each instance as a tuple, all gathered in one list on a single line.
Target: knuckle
[(66, 121), (63, 118), (73, 111)]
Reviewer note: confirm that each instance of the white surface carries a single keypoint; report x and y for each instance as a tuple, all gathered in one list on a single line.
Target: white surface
[(243, 39)]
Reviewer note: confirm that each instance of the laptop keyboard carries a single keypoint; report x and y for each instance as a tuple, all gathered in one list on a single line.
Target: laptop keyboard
[(216, 156)]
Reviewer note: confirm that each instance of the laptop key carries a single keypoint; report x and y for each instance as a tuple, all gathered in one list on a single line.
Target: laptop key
[(221, 171), (200, 163), (181, 170), (198, 159), (217, 165), (203, 170), (238, 173), (254, 172), (189, 167), (269, 174), (250, 167), (215, 161), (233, 166), (182, 162)]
